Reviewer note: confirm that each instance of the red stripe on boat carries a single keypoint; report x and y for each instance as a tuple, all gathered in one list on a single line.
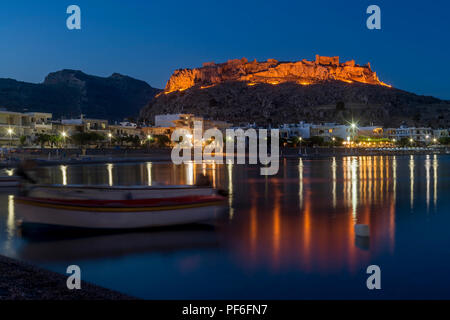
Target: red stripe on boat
[(154, 202)]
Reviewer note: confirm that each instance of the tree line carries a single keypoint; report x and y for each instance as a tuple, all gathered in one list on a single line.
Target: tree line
[(84, 139)]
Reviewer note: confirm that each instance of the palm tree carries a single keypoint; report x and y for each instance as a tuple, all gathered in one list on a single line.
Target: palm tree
[(42, 139)]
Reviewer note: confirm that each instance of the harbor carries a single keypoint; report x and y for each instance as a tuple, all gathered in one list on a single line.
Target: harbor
[(224, 160), (258, 234)]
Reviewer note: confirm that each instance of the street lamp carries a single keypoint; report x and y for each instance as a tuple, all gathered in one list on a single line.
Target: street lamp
[(64, 135), (109, 137), (149, 139), (10, 132), (353, 127)]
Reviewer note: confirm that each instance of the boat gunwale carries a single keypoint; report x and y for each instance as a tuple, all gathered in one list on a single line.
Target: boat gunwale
[(27, 201), (121, 188)]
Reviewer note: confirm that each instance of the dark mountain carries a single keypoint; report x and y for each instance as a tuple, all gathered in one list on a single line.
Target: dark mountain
[(68, 93), (324, 90), (262, 103)]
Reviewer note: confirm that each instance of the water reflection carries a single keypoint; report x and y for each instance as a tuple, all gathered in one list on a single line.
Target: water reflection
[(427, 173), (11, 223), (230, 189), (10, 227), (321, 237), (435, 179), (333, 168), (394, 174), (69, 246), (190, 173), (110, 167), (411, 178), (64, 175), (149, 173), (301, 219), (300, 182), (354, 165)]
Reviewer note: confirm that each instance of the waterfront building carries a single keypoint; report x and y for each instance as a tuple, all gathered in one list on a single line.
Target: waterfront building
[(440, 133), (330, 130), (300, 129), (128, 124), (88, 124), (371, 131), (69, 128), (39, 122), (216, 124), (176, 120), (157, 131), (73, 126), (13, 125), (125, 129), (99, 125), (165, 124), (417, 134), (17, 126)]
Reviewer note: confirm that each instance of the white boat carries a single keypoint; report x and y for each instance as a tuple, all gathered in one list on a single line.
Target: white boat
[(104, 207), (104, 192), (9, 181)]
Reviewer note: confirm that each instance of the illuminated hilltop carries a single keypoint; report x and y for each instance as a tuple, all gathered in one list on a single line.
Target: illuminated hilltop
[(272, 72)]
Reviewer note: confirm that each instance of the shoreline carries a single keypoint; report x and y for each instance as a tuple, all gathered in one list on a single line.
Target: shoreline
[(22, 281), (162, 155)]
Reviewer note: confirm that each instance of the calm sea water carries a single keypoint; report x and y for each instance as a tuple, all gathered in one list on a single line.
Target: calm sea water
[(289, 236)]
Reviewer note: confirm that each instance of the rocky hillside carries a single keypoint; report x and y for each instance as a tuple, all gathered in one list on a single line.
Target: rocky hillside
[(273, 72), (70, 92), (274, 92)]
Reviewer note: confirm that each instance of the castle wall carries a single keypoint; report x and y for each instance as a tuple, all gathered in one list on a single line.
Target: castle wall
[(273, 72)]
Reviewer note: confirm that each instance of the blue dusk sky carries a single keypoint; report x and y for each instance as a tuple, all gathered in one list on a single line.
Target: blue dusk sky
[(149, 39)]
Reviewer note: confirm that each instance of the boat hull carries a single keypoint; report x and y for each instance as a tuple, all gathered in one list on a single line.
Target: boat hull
[(119, 214), (85, 192), (8, 182)]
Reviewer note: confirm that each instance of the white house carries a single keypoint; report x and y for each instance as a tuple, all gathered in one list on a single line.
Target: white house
[(417, 134), (300, 129)]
